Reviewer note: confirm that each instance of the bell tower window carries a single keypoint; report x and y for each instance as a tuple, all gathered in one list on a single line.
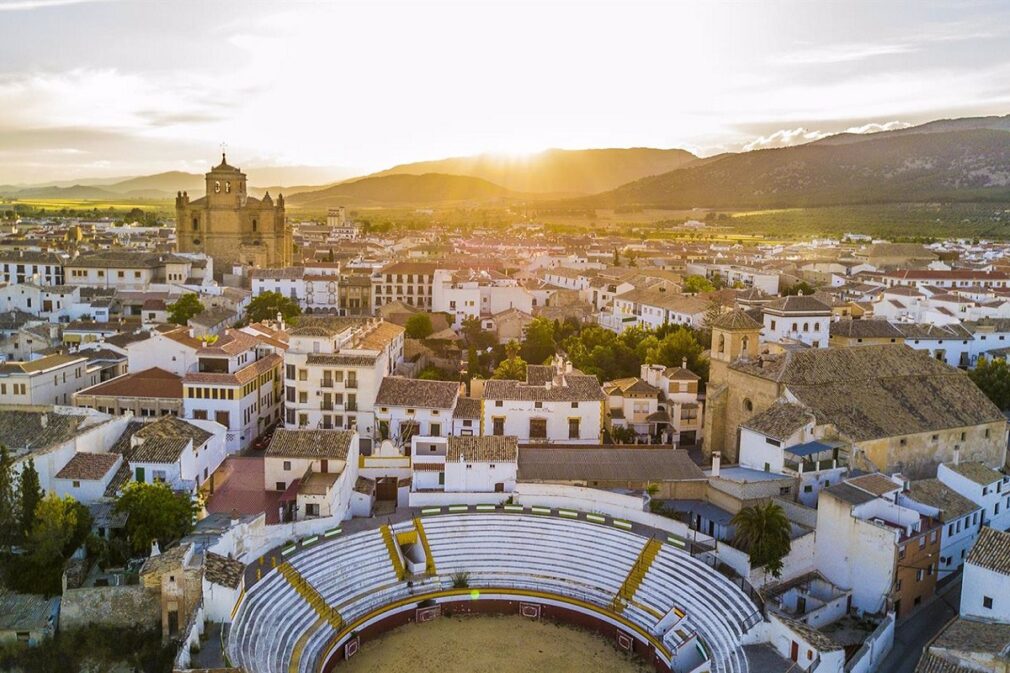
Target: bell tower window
[(227, 187), (254, 225), (196, 223)]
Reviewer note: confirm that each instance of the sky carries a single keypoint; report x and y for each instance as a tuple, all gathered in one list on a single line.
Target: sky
[(98, 88)]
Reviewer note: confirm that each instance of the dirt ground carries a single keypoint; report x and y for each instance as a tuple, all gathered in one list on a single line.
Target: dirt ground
[(490, 644)]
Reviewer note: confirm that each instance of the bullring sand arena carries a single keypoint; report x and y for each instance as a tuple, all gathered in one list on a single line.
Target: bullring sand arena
[(490, 645)]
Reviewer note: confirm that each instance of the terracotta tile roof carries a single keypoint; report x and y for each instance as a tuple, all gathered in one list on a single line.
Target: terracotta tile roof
[(209, 317), (26, 612), (88, 466), (223, 570), (978, 472), (403, 392), (992, 552), (865, 329), (606, 464), (37, 428), (797, 304), (874, 484), (877, 391), (736, 320), (485, 449), (164, 440), (780, 420), (821, 641), (309, 325), (241, 377), (968, 635), (381, 336), (467, 407), (40, 365), (331, 444), (934, 663), (344, 359), (153, 382), (578, 387), (935, 493), (232, 342)]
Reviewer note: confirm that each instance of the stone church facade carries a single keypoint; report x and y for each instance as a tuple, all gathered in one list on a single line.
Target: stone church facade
[(231, 226)]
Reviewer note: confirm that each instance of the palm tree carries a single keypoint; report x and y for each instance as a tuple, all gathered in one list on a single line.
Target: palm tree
[(763, 531)]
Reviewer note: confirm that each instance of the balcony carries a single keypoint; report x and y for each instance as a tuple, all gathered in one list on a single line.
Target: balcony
[(350, 383), (326, 383)]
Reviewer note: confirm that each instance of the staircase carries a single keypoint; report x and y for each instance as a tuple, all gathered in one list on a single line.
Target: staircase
[(311, 596), (394, 552), (429, 559), (635, 576)]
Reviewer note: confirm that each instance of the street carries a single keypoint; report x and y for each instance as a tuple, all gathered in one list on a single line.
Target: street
[(912, 633)]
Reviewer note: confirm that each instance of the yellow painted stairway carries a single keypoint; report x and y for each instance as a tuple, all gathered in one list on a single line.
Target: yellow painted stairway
[(429, 559), (637, 573), (394, 552), (311, 596)]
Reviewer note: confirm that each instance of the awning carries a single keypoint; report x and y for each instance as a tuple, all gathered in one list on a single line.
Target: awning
[(810, 448)]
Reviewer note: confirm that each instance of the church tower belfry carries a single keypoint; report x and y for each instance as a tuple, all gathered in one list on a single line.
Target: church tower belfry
[(230, 226)]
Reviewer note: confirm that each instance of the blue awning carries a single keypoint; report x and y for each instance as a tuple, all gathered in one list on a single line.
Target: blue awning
[(810, 448)]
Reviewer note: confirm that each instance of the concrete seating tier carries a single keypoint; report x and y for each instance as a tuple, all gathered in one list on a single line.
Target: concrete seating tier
[(276, 630)]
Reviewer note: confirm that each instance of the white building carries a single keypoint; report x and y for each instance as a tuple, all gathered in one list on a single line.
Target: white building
[(52, 379), (554, 404), (314, 469), (655, 308), (477, 294), (960, 517), (464, 464), (86, 476), (984, 592), (864, 535), (408, 407), (984, 486), (783, 439), (797, 318), (233, 379), (22, 266), (180, 453), (333, 368)]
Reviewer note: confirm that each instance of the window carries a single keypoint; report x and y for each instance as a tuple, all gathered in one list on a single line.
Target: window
[(77, 484), (498, 426), (748, 405), (575, 405), (784, 490), (436, 429), (280, 486), (987, 602), (311, 509), (538, 428), (287, 465), (538, 405), (498, 403)]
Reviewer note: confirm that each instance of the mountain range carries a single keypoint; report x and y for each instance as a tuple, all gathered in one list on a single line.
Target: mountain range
[(964, 159)]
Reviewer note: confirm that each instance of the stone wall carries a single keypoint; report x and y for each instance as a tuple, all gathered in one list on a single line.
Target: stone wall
[(125, 606)]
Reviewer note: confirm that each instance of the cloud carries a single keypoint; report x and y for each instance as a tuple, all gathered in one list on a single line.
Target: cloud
[(28, 5), (842, 53), (801, 135)]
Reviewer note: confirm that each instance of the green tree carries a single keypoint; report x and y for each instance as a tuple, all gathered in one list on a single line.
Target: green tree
[(513, 366), (266, 306), (993, 378), (763, 532), (695, 283), (419, 326), (473, 367), (155, 513), (29, 496), (9, 532), (676, 347), (184, 308), (61, 526), (802, 287), (539, 344)]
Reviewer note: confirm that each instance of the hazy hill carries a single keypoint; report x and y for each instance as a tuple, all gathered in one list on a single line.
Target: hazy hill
[(938, 126), (959, 165), (398, 190), (557, 171)]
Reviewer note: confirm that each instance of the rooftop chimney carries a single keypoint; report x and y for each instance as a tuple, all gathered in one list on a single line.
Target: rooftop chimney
[(957, 455), (716, 462), (683, 363)]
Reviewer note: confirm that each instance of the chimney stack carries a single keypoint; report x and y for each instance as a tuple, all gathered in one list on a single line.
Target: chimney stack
[(716, 462), (957, 456)]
